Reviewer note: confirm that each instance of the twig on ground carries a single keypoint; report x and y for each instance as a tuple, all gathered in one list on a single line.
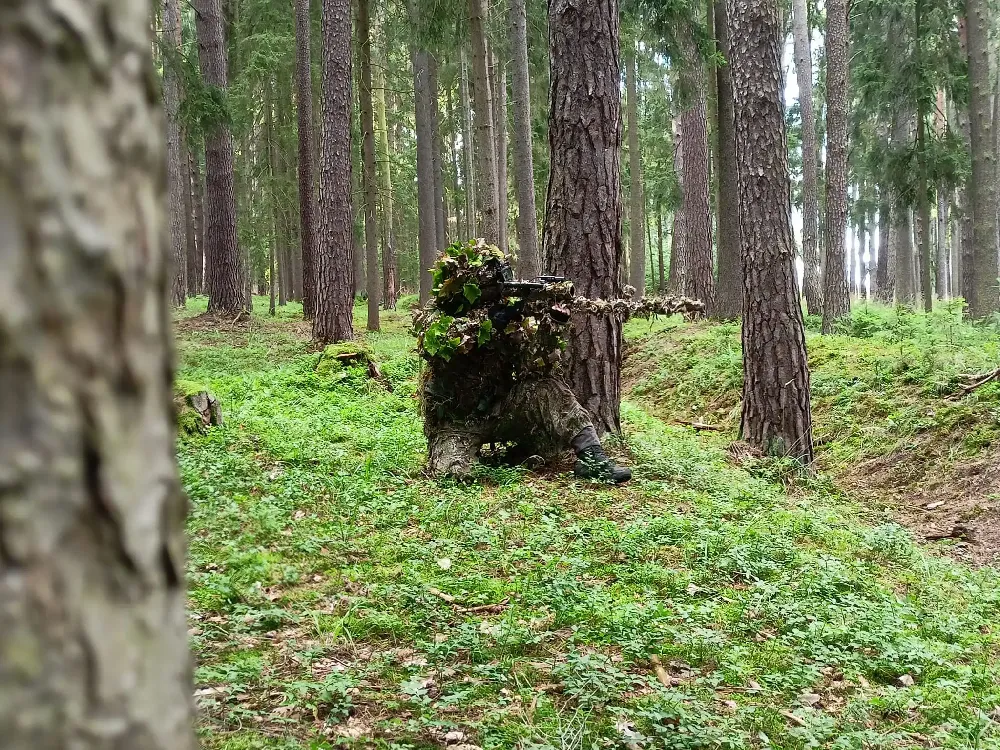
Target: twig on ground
[(661, 672), (978, 381), (793, 718), (700, 425), (441, 595), (491, 608)]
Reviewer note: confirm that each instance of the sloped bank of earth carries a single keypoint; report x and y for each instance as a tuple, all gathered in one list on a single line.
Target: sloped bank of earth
[(893, 424), (339, 598)]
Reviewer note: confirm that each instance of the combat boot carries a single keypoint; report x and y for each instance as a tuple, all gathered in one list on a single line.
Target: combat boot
[(593, 463)]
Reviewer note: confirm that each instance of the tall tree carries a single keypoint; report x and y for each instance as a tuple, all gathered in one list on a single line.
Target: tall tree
[(836, 293), (884, 281), (177, 213), (389, 272), (468, 139), (583, 216), (332, 285), (307, 154), (982, 187), (437, 148), (812, 283), (427, 211), (224, 261), (500, 127), (487, 187), (92, 589), (678, 232), (729, 291), (192, 240), (369, 180), (529, 257), (637, 201), (699, 279), (198, 195), (776, 412)]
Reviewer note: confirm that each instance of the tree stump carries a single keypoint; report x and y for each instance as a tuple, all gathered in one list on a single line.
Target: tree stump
[(196, 407)]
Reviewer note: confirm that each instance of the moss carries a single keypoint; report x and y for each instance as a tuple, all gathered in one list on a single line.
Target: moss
[(335, 356)]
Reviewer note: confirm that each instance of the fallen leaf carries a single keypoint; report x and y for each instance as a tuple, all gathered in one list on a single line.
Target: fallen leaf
[(932, 506), (810, 699), (906, 680)]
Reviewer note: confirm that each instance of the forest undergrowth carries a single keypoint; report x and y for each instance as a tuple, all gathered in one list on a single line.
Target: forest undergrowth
[(339, 598)]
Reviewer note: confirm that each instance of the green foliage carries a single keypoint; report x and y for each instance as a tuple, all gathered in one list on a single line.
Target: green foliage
[(319, 553)]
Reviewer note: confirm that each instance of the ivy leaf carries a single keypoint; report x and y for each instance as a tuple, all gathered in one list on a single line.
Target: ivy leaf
[(472, 293), (485, 331)]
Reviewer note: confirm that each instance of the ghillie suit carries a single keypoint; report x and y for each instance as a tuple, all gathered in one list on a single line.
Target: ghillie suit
[(495, 349)]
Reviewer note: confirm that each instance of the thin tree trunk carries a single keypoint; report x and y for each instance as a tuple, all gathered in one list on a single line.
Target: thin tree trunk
[(194, 263), (389, 290), (678, 273), (583, 216), (226, 291), (662, 287), (368, 171), (885, 273), (333, 320), (836, 293), (198, 177), (456, 191), (812, 282), (942, 271), (529, 257), (307, 154), (177, 212), (92, 628), (729, 293), (637, 202), (500, 110), (440, 208), (488, 193), (427, 212), (983, 271), (776, 418), (471, 209)]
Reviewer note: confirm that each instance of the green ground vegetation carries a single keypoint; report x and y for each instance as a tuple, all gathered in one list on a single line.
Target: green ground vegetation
[(339, 598)]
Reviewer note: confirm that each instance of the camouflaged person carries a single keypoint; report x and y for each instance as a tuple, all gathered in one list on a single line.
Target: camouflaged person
[(494, 351)]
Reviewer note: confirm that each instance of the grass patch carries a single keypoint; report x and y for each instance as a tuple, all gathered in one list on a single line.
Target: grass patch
[(339, 598)]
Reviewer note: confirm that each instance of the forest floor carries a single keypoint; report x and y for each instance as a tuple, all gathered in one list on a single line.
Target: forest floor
[(339, 598)]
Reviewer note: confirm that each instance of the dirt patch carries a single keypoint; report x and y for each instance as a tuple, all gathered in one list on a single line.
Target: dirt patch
[(957, 504)]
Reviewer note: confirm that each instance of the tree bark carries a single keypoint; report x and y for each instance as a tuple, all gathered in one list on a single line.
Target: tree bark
[(637, 202), (583, 217), (440, 207), (93, 651), (729, 292), (468, 139), (226, 291), (307, 153), (836, 293), (198, 177), (678, 273), (389, 272), (368, 173), (488, 193), (982, 189), (885, 285), (662, 287), (812, 286), (191, 242), (426, 214), (171, 48), (500, 127), (332, 269), (699, 280), (529, 257), (776, 418)]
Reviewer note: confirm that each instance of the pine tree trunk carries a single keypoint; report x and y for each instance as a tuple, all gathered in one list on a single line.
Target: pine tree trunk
[(198, 177), (440, 212), (332, 319), (729, 294), (456, 174), (776, 416), (662, 287), (984, 300), (500, 127), (884, 275), (177, 211), (468, 140), (194, 262), (92, 628), (529, 257), (226, 290), (389, 276), (836, 292), (583, 216), (427, 212), (942, 271), (699, 279), (488, 193), (812, 286), (903, 256), (368, 173), (307, 155), (678, 272), (637, 203)]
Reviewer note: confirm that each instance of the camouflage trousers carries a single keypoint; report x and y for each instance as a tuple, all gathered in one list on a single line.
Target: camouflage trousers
[(540, 416)]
